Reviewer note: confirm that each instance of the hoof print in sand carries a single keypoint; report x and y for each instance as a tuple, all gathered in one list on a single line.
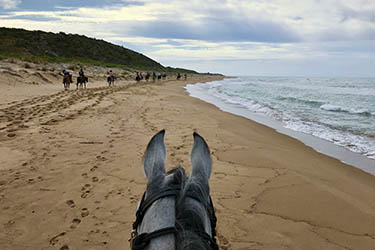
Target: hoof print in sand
[(11, 135), (55, 239), (64, 247), (84, 212), (70, 203), (75, 223), (85, 190), (93, 168)]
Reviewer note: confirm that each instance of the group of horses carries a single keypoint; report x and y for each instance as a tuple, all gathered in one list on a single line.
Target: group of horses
[(139, 77), (81, 81), (158, 76)]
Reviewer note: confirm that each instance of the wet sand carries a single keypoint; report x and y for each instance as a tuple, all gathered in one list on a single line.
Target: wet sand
[(71, 170)]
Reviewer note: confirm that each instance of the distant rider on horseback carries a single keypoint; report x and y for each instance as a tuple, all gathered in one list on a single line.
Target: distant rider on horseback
[(111, 75), (67, 79), (111, 78), (65, 72), (81, 79)]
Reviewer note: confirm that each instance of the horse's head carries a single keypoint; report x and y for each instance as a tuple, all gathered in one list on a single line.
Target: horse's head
[(176, 211)]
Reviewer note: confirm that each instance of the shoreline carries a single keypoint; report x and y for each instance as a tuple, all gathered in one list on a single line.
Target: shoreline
[(318, 144), (72, 174)]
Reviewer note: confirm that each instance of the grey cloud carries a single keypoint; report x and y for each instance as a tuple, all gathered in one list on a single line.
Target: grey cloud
[(342, 35), (297, 18), (48, 5), (31, 18), (346, 47), (363, 15), (216, 29)]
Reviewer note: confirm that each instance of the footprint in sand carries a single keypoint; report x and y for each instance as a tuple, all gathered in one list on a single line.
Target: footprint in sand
[(70, 203), (84, 212), (11, 135), (64, 247), (93, 168), (224, 243), (53, 241), (75, 223), (85, 190), (101, 158)]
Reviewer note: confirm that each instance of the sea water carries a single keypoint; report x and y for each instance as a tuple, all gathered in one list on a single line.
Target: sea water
[(338, 110)]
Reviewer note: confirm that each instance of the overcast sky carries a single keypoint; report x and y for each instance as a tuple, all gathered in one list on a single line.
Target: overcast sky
[(253, 37)]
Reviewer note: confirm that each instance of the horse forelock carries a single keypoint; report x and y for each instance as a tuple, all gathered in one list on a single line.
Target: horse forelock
[(174, 177)]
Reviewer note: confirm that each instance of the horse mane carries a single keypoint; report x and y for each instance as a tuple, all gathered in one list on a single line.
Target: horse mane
[(190, 218)]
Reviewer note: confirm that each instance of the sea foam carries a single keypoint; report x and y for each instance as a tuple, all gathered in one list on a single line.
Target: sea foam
[(322, 107)]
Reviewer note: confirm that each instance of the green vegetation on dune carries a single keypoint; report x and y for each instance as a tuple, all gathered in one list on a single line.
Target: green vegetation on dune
[(47, 47)]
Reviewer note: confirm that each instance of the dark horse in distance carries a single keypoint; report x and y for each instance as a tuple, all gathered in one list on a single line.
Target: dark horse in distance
[(111, 80), (81, 81)]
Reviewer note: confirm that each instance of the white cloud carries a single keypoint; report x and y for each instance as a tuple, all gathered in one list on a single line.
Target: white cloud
[(191, 30), (311, 20), (9, 4)]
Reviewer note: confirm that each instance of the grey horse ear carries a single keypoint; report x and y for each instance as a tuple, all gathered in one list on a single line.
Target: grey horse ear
[(200, 157), (154, 160)]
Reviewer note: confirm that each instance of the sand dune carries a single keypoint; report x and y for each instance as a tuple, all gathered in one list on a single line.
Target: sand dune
[(71, 169)]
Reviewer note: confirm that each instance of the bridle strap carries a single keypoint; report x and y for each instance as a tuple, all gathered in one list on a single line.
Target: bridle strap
[(146, 203), (141, 241)]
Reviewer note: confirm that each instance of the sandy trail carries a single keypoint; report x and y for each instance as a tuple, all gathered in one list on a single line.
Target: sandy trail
[(71, 173)]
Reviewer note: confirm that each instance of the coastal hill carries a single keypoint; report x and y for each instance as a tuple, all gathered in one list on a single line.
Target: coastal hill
[(48, 47)]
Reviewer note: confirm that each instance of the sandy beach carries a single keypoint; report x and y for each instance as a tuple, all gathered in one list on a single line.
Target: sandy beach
[(71, 169)]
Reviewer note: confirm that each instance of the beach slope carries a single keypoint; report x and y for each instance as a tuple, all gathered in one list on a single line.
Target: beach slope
[(71, 172)]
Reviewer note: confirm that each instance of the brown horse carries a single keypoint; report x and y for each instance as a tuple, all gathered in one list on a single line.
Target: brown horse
[(67, 80)]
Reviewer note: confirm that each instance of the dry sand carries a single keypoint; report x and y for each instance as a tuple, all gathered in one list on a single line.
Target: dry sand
[(71, 169)]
